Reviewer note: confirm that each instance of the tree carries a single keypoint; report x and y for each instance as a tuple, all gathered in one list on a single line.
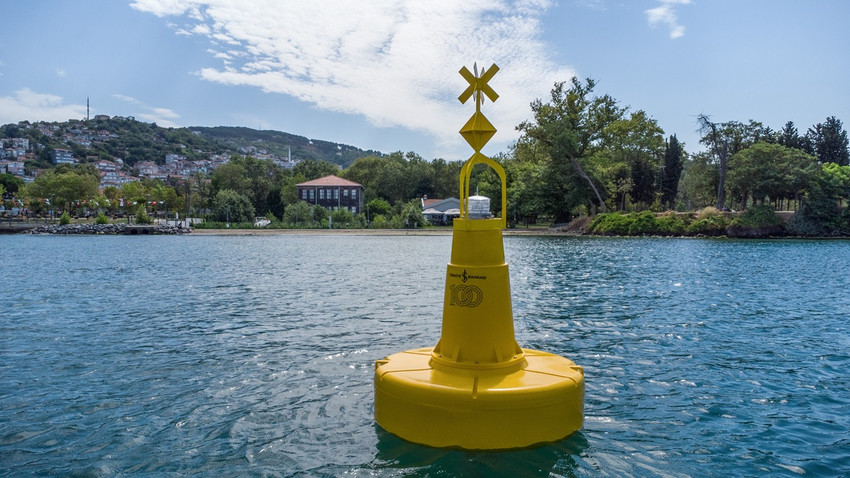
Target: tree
[(10, 182), (699, 181), (790, 138), (231, 206), (62, 189), (768, 170), (571, 127), (830, 142), (720, 148), (298, 214), (377, 207), (672, 170), (315, 169), (411, 215)]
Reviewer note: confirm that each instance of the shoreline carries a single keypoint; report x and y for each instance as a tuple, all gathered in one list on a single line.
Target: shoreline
[(364, 232)]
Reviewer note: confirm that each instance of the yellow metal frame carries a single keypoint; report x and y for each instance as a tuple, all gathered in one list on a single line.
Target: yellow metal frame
[(466, 173)]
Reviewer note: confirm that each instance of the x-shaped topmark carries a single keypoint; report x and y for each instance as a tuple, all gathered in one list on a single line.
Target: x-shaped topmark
[(478, 84)]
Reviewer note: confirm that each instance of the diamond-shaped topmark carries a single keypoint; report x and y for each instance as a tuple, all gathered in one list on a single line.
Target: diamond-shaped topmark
[(477, 131)]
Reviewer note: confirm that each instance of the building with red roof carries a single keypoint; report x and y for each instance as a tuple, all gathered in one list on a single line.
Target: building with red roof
[(333, 193)]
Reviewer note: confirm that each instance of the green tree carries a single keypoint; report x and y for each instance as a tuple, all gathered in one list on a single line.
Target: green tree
[(315, 169), (571, 128), (298, 214), (378, 206), (63, 189), (831, 142), (231, 206), (342, 218), (633, 148), (232, 176), (767, 170), (411, 214), (790, 138), (11, 183), (671, 173), (699, 181)]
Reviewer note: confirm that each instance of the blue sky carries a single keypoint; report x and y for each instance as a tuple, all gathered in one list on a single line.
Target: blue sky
[(382, 74)]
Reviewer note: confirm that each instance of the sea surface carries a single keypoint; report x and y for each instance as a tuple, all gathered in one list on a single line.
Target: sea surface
[(254, 355)]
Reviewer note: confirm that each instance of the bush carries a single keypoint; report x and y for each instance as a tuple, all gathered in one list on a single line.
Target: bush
[(610, 224), (142, 216), (670, 224), (643, 223), (758, 217), (709, 226), (707, 212), (65, 219), (101, 219)]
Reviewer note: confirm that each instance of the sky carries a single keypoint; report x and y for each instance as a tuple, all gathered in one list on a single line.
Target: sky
[(383, 74)]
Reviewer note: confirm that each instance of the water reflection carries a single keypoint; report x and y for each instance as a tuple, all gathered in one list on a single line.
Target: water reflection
[(554, 459)]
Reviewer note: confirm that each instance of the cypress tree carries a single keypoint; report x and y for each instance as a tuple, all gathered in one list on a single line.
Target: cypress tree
[(672, 171)]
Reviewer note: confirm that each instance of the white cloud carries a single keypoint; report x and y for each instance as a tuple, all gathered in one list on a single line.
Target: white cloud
[(61, 73), (160, 116), (395, 62), (666, 14), (26, 104)]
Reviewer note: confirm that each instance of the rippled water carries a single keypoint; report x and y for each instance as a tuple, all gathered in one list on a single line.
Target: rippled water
[(233, 356)]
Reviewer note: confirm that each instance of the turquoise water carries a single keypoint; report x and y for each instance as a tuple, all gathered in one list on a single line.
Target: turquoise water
[(253, 356)]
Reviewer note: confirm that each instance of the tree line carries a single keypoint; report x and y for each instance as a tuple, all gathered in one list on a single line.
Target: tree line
[(580, 153)]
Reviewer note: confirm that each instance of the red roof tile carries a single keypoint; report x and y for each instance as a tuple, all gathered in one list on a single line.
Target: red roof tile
[(329, 181)]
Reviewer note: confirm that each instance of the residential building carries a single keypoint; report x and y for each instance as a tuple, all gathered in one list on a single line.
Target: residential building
[(440, 212), (333, 193), (14, 166), (62, 156), (173, 158)]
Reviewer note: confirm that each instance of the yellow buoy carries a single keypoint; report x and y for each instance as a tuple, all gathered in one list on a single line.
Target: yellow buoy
[(477, 388)]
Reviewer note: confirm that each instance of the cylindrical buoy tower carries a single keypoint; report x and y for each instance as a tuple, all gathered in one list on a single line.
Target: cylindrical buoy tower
[(477, 389)]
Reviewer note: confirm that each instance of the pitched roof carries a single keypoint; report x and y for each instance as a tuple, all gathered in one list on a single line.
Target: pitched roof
[(441, 204), (331, 180)]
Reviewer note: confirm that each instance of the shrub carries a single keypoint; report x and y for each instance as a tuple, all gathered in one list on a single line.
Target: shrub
[(708, 212), (643, 223), (709, 226), (610, 223), (101, 219), (670, 224), (142, 216), (758, 217), (65, 219)]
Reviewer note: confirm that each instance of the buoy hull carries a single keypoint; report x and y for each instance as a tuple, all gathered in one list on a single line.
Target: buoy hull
[(536, 401)]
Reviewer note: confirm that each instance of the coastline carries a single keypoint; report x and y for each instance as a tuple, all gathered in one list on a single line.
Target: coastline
[(364, 232)]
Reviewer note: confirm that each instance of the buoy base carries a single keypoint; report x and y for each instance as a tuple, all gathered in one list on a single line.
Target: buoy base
[(536, 401)]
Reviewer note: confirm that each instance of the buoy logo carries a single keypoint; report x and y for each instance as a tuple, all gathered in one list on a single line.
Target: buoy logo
[(466, 295)]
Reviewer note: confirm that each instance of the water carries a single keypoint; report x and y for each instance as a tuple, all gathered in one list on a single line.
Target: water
[(235, 356)]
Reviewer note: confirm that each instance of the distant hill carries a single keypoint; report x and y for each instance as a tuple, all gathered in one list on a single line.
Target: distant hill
[(279, 144), (134, 141)]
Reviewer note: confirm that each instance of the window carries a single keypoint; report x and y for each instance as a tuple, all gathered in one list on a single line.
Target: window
[(345, 193), (353, 194), (336, 193), (303, 194), (312, 194), (321, 193), (354, 209)]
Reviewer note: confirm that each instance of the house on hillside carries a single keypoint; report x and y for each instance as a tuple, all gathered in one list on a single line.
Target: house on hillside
[(333, 193), (441, 212), (62, 156)]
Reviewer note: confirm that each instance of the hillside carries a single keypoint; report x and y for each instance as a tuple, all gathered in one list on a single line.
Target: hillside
[(134, 141), (279, 144)]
